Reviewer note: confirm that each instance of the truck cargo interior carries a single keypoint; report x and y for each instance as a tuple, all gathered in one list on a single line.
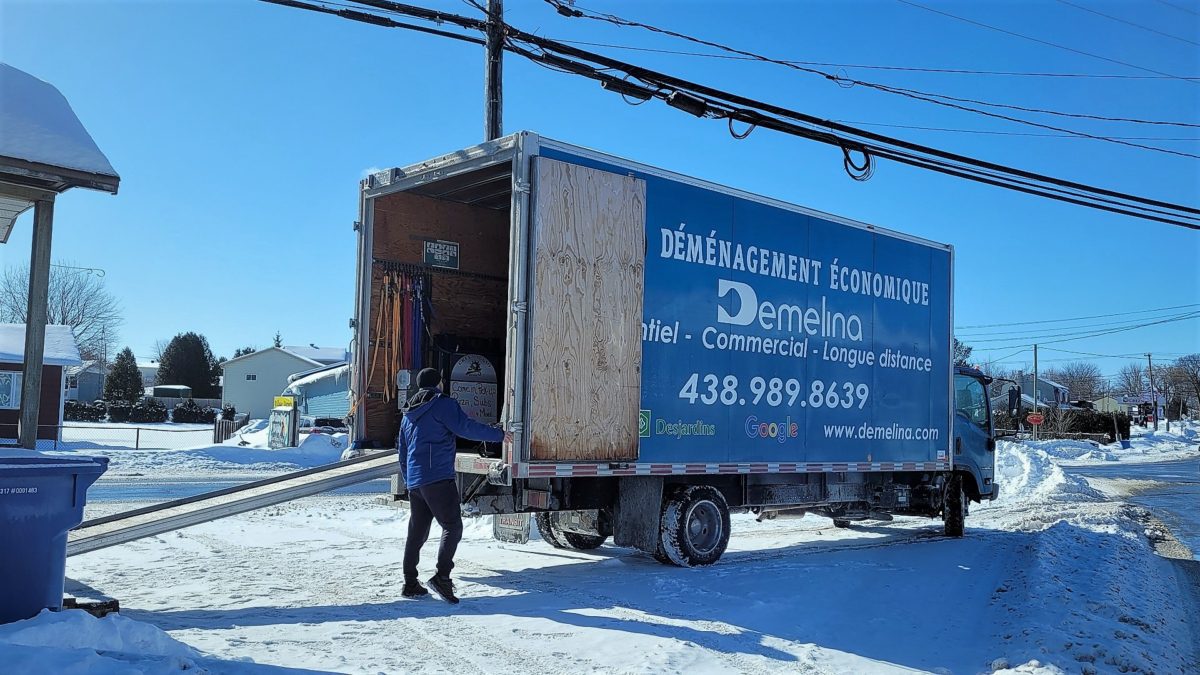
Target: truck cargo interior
[(439, 283)]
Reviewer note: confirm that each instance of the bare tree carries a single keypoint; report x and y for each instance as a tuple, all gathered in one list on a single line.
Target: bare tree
[(1188, 373), (1132, 379), (77, 299), (157, 350), (1083, 380)]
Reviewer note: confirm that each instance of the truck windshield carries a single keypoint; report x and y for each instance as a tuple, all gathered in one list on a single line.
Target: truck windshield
[(970, 399)]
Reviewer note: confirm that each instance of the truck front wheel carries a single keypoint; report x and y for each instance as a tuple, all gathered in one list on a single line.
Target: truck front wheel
[(695, 526), (954, 507)]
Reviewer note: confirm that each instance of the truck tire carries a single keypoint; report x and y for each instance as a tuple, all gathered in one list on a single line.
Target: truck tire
[(695, 526), (566, 540), (547, 530), (954, 507), (580, 542)]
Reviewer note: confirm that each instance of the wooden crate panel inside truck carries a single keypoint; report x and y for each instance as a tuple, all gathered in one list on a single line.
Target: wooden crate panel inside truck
[(664, 349)]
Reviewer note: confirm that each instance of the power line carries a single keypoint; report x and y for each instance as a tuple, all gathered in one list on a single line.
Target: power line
[(906, 69), (927, 97), (1128, 23), (1040, 342), (1058, 113), (1044, 111), (1040, 41), (1036, 337), (990, 132), (1182, 9), (1105, 324), (704, 101), (1078, 318)]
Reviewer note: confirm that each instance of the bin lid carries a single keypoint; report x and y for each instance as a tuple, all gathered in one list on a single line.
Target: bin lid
[(17, 460)]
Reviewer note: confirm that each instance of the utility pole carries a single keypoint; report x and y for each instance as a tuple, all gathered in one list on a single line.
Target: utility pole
[(1153, 398), (493, 125), (1035, 391)]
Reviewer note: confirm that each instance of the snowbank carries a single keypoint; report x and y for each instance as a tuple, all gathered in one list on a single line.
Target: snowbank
[(314, 450), (1027, 472), (73, 641)]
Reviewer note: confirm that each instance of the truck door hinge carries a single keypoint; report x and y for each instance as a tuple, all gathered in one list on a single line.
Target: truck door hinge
[(357, 225), (521, 186), (352, 323), (520, 307)]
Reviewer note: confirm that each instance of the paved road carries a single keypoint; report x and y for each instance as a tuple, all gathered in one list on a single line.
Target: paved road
[(1175, 497)]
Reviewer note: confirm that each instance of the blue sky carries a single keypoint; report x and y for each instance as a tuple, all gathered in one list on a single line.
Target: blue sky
[(241, 130)]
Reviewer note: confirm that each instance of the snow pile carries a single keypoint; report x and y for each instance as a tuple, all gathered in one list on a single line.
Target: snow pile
[(314, 450), (1072, 450), (1026, 472), (75, 642)]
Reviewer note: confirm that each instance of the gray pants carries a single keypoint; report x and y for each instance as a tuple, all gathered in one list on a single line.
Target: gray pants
[(433, 501)]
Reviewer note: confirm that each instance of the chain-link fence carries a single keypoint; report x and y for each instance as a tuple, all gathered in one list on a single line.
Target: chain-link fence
[(101, 436)]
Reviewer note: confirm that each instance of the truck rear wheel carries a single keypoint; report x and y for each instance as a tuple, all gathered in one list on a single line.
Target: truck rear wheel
[(954, 507), (559, 538), (695, 526), (546, 529)]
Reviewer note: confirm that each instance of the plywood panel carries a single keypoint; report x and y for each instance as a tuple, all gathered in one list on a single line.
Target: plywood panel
[(463, 306), (586, 351)]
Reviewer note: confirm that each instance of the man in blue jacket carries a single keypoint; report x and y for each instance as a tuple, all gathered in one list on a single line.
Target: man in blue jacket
[(431, 422)]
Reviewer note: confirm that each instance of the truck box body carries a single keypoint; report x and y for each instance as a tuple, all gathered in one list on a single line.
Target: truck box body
[(642, 322)]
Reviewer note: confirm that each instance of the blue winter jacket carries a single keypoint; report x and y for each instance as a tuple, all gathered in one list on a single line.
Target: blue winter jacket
[(427, 432)]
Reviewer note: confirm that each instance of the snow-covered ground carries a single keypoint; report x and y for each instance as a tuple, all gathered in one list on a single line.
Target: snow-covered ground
[(1052, 577), (186, 450)]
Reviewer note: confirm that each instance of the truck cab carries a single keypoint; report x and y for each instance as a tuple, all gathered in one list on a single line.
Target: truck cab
[(974, 440)]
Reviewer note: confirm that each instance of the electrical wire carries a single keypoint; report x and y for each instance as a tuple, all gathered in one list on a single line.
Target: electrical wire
[(1128, 23), (1098, 334), (1040, 41), (1079, 318), (717, 103), (1071, 329), (868, 66), (990, 132), (1105, 324), (927, 97), (1182, 9)]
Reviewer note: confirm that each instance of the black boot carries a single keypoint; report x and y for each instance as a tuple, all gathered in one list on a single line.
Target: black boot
[(443, 588), (414, 589)]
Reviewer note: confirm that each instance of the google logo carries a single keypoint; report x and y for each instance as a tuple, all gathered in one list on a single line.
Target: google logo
[(780, 431)]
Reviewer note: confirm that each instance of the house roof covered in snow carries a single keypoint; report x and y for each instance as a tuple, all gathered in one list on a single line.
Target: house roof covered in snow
[(323, 355), (310, 377), (43, 147), (282, 350), (61, 349)]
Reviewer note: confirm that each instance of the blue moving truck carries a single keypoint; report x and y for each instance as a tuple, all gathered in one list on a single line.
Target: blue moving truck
[(666, 350)]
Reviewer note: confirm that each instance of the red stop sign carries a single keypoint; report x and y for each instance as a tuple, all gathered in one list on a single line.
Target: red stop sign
[(1035, 418)]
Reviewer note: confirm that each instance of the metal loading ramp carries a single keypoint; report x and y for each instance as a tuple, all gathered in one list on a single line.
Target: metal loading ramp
[(124, 527)]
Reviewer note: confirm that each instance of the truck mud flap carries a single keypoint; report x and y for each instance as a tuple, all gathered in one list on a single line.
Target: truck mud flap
[(511, 527)]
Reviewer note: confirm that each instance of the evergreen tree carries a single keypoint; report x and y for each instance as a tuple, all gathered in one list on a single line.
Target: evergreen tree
[(124, 382), (278, 340), (962, 352), (187, 360), (242, 351)]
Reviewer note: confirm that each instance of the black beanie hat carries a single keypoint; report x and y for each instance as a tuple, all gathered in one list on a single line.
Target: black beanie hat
[(428, 378)]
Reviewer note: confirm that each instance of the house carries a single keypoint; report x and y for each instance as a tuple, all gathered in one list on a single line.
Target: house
[(322, 392), (1049, 393), (1108, 404), (149, 371), (61, 353), (252, 381), (85, 382)]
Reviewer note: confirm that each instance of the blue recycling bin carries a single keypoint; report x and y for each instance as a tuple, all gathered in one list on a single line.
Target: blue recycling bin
[(41, 498)]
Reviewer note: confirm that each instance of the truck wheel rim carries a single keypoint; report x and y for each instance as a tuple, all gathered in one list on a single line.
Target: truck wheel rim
[(704, 527)]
